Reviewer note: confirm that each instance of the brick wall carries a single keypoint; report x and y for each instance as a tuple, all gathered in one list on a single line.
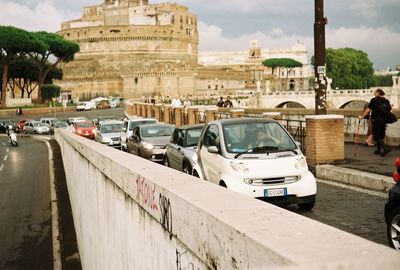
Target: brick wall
[(325, 139)]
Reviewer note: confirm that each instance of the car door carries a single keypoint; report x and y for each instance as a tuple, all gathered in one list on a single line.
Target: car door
[(209, 161), (28, 128), (133, 141), (174, 153)]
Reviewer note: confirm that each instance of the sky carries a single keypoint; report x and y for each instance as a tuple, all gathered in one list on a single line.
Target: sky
[(225, 25)]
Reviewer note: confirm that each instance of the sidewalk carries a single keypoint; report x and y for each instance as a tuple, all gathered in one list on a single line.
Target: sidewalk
[(362, 168)]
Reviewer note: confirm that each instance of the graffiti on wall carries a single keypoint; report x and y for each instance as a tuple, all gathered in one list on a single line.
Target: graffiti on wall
[(146, 192)]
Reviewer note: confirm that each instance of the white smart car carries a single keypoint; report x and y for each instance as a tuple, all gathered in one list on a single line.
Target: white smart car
[(256, 157)]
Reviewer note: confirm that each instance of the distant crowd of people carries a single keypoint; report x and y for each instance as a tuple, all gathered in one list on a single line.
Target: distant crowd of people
[(225, 102)]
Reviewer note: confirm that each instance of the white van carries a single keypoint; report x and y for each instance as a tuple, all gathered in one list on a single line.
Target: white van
[(86, 106), (256, 157)]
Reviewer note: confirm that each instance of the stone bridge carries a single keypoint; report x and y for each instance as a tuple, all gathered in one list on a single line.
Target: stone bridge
[(336, 99)]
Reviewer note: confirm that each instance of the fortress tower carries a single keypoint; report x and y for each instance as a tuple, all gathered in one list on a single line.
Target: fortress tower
[(132, 48)]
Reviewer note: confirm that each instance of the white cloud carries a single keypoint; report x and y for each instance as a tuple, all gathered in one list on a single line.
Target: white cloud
[(43, 17), (381, 43)]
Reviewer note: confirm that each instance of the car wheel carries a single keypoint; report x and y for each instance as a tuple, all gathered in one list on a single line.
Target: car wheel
[(307, 206), (186, 168), (393, 229), (222, 184), (166, 161), (35, 132), (195, 174)]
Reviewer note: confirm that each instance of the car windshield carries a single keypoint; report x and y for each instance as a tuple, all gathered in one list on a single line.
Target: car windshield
[(192, 137), (157, 131), (111, 128), (84, 124), (260, 137), (36, 124), (134, 124)]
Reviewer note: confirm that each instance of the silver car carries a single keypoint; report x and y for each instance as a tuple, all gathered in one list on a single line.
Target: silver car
[(35, 127), (181, 150), (109, 133)]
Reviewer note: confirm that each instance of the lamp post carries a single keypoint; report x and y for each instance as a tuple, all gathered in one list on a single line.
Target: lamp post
[(319, 56)]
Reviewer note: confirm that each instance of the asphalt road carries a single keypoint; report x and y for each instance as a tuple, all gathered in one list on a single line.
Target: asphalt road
[(25, 214), (356, 212)]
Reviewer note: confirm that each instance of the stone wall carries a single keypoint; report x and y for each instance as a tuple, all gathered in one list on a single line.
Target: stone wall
[(130, 213)]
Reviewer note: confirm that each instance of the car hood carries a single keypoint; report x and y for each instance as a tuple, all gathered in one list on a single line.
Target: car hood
[(110, 135), (158, 140)]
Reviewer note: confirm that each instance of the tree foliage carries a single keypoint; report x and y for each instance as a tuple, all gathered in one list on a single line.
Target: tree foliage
[(382, 80), (349, 68), (15, 43), (286, 63), (56, 46), (50, 91)]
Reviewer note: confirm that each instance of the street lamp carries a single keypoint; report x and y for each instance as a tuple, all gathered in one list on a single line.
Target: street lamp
[(319, 52)]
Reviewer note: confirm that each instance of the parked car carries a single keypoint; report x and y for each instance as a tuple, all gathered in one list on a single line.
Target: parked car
[(85, 129), (392, 217), (180, 152), (256, 157), (149, 141), (21, 123), (35, 127), (103, 104), (109, 133), (85, 106), (129, 125), (49, 122)]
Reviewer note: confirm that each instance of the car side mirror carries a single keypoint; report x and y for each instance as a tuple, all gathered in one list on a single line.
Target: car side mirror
[(213, 150)]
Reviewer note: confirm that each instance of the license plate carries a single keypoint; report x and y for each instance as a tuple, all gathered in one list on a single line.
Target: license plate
[(275, 192)]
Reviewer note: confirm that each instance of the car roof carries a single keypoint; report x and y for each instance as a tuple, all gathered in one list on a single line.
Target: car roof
[(196, 126), (157, 124), (141, 119), (108, 122), (244, 120)]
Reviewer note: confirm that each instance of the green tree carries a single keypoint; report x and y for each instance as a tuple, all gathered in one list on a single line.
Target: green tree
[(348, 68), (50, 91), (56, 46), (287, 63), (382, 80), (14, 43)]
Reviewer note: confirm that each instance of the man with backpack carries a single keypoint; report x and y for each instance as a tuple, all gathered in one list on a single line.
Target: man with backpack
[(380, 108)]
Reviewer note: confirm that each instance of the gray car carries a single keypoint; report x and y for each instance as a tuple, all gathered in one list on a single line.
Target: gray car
[(129, 125), (181, 150), (109, 133), (35, 127), (149, 141)]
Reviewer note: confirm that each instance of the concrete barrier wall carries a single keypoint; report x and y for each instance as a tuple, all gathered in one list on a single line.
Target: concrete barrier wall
[(130, 213)]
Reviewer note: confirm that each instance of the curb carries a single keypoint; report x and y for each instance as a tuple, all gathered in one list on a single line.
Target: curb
[(370, 181)]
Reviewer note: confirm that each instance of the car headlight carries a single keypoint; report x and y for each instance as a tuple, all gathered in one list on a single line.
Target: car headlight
[(239, 167), (80, 131), (147, 146), (300, 163), (106, 140)]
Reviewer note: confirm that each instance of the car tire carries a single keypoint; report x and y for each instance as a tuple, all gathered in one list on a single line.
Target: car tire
[(166, 161), (186, 168), (195, 174), (393, 229), (222, 184), (307, 206), (35, 132)]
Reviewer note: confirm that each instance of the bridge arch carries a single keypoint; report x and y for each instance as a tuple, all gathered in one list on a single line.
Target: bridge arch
[(353, 103), (290, 104)]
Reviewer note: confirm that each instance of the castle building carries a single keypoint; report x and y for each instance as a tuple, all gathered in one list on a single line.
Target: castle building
[(132, 48)]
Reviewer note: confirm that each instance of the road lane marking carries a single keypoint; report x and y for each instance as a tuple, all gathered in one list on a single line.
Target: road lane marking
[(1, 167), (3, 144), (8, 150), (5, 157)]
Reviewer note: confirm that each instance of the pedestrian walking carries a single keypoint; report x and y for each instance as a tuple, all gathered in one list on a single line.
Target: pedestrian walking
[(379, 107), (370, 138), (228, 103), (220, 102), (176, 102)]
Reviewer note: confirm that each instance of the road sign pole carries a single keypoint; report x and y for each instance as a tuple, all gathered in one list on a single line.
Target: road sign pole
[(320, 85)]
